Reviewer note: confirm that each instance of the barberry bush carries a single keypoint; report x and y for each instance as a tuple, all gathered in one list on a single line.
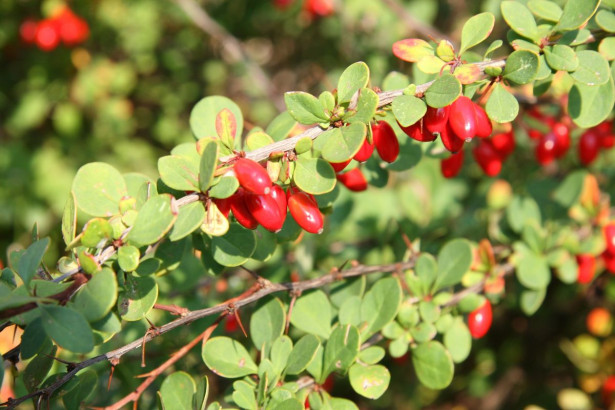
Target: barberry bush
[(441, 233)]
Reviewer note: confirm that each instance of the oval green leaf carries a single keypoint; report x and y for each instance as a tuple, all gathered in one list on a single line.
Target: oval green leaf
[(98, 188), (228, 358)]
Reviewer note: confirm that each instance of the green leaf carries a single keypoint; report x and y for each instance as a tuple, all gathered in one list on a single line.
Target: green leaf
[(545, 9), (423, 332), (380, 305), (314, 175), (341, 350), (258, 139), (429, 310), (154, 220), (520, 19), (372, 354), (606, 20), (106, 328), (365, 109), (502, 106), (569, 191), (454, 259), (203, 118), (521, 67), (408, 109), (476, 30), (340, 291), (267, 322), (606, 48), (522, 211), (31, 259), (38, 368), (208, 164), (96, 233), (532, 269), (235, 247), (433, 365), (576, 13), (431, 65), (224, 187), (302, 354), (312, 314), (67, 328), (369, 381), (177, 390), (139, 297), (34, 340), (280, 352), (179, 172), (589, 106), (98, 296), (281, 126), (561, 57), (531, 300), (228, 358), (593, 69), (79, 389), (344, 144), (305, 108), (355, 77), (458, 341), (98, 188), (69, 219), (444, 91), (244, 395), (289, 404), (426, 270), (188, 220)]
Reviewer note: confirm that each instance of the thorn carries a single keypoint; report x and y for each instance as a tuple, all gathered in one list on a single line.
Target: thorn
[(110, 377)]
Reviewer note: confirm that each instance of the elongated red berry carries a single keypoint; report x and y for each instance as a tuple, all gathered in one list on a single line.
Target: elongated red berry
[(279, 195), (609, 237), (609, 261), (385, 141), (266, 211), (305, 212), (479, 321), (252, 176), (353, 180), (484, 128), (451, 166), (534, 134), (240, 210), (589, 147), (450, 140), (488, 158), (546, 149), (462, 118), (47, 36), (418, 132), (365, 152), (504, 143), (562, 134), (339, 166), (587, 268), (435, 119)]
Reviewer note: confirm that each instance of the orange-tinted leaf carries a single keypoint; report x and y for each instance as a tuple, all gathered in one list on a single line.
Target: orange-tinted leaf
[(467, 73), (226, 127), (412, 49)]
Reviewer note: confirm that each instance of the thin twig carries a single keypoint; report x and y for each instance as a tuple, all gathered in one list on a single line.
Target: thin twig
[(233, 47)]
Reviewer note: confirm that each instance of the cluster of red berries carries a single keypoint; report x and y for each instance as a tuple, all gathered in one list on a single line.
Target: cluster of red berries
[(313, 8), (587, 263), (260, 202), (63, 26), (384, 142)]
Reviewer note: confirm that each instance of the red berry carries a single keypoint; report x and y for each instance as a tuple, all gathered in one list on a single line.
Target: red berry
[(462, 118), (609, 261), (365, 151), (609, 237), (546, 149), (319, 8), (230, 324), (587, 268), (385, 141), (607, 141), (435, 119), (353, 180), (451, 166), (534, 134), (589, 147), (479, 321), (252, 176), (279, 195), (450, 140), (339, 166), (240, 210), (504, 143), (27, 31), (418, 131), (47, 36), (266, 210), (562, 134), (488, 158), (305, 212), (328, 384), (224, 205), (484, 128), (608, 391)]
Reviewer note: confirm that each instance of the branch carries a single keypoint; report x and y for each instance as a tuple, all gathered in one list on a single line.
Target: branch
[(233, 47), (261, 289)]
